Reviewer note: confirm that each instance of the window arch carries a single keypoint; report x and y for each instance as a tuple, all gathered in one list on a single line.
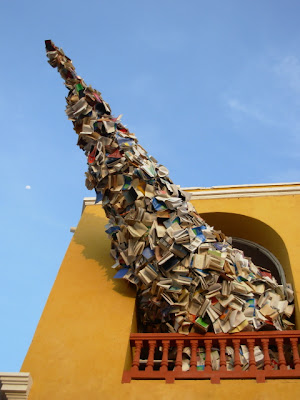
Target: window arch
[(254, 233), (261, 257)]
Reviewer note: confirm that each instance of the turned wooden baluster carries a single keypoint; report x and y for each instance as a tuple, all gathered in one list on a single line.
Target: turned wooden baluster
[(165, 356), (193, 363), (252, 363), (136, 361), (150, 362), (178, 362), (222, 343), (294, 343), (208, 344), (237, 361), (281, 358), (267, 361)]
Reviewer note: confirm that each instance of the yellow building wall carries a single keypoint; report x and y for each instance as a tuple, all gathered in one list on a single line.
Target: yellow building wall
[(80, 347)]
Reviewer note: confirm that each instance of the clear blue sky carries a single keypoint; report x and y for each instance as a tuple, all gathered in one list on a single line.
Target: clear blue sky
[(211, 89)]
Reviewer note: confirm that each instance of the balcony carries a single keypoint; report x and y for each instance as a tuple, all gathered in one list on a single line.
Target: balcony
[(270, 355)]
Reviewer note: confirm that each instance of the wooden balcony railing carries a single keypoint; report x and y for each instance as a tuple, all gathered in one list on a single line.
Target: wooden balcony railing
[(171, 356)]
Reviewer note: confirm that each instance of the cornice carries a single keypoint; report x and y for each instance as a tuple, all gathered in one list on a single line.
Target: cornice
[(225, 192), (15, 385)]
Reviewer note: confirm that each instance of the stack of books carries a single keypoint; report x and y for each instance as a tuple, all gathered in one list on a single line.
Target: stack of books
[(187, 274)]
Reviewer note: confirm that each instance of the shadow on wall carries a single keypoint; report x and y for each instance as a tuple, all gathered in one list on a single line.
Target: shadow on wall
[(90, 234)]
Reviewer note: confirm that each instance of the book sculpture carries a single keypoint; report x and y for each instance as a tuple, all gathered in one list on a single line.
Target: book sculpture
[(187, 274)]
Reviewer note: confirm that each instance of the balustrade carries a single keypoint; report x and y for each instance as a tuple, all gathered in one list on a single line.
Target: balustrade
[(245, 355)]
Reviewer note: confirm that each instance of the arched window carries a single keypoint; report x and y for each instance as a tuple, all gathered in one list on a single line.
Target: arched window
[(261, 257), (257, 240)]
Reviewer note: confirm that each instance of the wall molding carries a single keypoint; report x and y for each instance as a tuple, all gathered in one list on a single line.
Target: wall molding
[(232, 191), (15, 385)]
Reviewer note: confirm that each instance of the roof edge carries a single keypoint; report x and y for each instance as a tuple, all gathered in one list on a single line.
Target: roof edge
[(231, 191)]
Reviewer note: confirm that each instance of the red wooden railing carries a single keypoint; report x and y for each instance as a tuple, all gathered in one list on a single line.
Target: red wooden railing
[(160, 356)]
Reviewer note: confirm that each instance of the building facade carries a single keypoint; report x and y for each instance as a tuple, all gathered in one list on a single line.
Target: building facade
[(81, 345)]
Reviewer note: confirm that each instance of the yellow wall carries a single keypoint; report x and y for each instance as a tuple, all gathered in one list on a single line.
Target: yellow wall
[(80, 346)]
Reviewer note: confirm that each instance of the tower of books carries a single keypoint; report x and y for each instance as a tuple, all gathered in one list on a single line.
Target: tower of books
[(187, 274)]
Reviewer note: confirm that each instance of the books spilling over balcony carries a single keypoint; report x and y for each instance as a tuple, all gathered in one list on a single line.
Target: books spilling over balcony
[(187, 274)]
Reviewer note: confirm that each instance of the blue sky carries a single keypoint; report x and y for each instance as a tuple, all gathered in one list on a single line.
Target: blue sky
[(211, 89)]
